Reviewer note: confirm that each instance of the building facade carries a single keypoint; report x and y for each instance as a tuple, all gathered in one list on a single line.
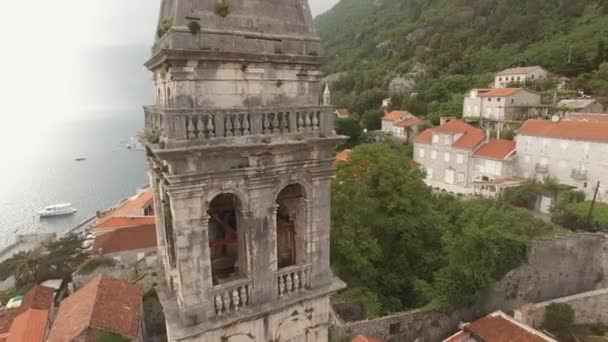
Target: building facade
[(240, 152), (581, 105), (459, 158), (498, 105), (402, 125), (519, 75), (574, 151)]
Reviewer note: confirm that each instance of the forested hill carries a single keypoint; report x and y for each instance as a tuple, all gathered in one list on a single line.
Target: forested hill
[(459, 44)]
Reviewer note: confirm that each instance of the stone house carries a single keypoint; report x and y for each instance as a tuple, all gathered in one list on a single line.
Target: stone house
[(445, 154), (572, 150), (103, 307), (460, 158), (521, 75), (127, 245), (498, 105), (498, 327), (402, 125), (32, 321), (582, 105)]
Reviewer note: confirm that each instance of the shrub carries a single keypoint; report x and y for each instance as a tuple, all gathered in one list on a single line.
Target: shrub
[(222, 8), (90, 265), (559, 317), (575, 216), (164, 27)]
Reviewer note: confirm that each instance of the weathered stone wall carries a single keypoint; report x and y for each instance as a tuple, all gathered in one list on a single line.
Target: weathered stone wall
[(555, 268), (407, 326), (589, 307)]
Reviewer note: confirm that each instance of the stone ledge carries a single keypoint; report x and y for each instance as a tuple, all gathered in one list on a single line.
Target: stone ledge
[(182, 331)]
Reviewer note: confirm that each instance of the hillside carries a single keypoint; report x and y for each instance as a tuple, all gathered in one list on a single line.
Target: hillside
[(441, 48)]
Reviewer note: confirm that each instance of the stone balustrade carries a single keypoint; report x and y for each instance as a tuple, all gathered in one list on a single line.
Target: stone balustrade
[(205, 126), (292, 280), (231, 297)]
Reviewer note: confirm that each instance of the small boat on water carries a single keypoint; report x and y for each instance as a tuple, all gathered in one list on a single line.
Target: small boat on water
[(57, 210), (80, 159)]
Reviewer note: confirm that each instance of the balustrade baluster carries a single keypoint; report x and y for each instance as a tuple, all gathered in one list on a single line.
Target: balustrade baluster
[(244, 296), (301, 127), (315, 121), (229, 126), (237, 126), (308, 122), (275, 123), (296, 281), (219, 305), (285, 123), (281, 286), (236, 300), (266, 123), (210, 127), (226, 299), (246, 125), (289, 284), (191, 129)]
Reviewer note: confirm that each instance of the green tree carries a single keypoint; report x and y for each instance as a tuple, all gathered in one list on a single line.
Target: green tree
[(559, 317), (350, 128)]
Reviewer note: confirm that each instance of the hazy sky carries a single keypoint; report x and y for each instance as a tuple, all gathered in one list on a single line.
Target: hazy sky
[(43, 45)]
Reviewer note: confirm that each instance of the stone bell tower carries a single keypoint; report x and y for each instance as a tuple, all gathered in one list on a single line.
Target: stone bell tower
[(240, 153)]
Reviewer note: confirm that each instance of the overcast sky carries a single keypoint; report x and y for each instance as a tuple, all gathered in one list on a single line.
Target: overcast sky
[(44, 42)]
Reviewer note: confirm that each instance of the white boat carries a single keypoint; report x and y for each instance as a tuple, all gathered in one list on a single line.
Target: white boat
[(57, 210)]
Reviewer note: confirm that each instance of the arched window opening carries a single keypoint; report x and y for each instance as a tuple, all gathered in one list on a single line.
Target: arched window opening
[(291, 226), (224, 244), (158, 98), (169, 100), (169, 233)]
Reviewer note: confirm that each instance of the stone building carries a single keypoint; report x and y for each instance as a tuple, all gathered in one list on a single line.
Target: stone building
[(240, 153), (573, 150), (498, 105), (403, 125), (581, 105), (519, 75)]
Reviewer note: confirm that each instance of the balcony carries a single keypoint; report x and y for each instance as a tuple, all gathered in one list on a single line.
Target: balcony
[(579, 174), (541, 168), (292, 280), (175, 128), (231, 297)]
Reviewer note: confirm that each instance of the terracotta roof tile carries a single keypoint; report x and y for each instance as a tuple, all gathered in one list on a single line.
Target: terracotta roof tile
[(343, 113), (119, 222), (496, 149), (396, 115), (362, 338), (126, 239), (591, 117), (498, 327), (39, 298), (130, 206), (6, 319), (408, 123), (471, 136), (29, 326), (342, 156), (97, 306), (573, 130), (518, 71), (500, 92)]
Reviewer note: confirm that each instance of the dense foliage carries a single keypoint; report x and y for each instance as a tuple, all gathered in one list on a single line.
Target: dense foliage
[(447, 47), (559, 317), (56, 260), (400, 246), (90, 265), (575, 216)]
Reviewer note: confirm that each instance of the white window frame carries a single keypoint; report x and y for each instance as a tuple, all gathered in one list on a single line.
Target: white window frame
[(460, 158), (434, 154), (447, 156)]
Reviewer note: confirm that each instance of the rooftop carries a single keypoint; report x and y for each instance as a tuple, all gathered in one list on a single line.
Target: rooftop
[(498, 149), (126, 239), (470, 136), (499, 92), (121, 222), (130, 207), (29, 326), (573, 130), (396, 115), (518, 70), (97, 306), (362, 338), (591, 117), (342, 156), (38, 298), (498, 327), (576, 103), (408, 123)]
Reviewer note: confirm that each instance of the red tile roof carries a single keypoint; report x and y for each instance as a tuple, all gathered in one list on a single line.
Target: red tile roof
[(496, 149), (343, 113), (120, 222), (574, 130), (38, 298), (500, 92), (460, 336), (342, 156), (130, 206), (471, 136), (518, 71), (395, 115), (408, 123), (591, 117), (104, 304), (30, 326), (126, 239), (498, 327), (362, 338)]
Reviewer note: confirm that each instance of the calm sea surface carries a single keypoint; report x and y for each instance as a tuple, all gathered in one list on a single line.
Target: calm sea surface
[(43, 172)]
